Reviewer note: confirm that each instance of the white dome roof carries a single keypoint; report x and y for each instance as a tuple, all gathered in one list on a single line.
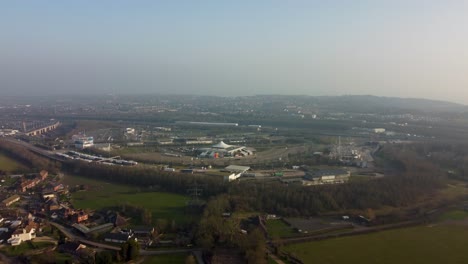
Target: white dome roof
[(221, 145)]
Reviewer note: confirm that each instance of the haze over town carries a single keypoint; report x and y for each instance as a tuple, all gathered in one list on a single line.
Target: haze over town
[(385, 48), (241, 132)]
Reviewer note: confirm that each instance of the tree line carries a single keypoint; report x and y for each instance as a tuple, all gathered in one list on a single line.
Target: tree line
[(451, 157), (147, 177), (413, 176), (28, 158)]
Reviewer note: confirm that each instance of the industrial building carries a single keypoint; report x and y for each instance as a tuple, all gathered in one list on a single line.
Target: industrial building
[(378, 130), (327, 176), (206, 123), (235, 172)]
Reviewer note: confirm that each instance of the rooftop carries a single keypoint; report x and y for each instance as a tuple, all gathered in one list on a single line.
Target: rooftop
[(221, 145), (237, 168)]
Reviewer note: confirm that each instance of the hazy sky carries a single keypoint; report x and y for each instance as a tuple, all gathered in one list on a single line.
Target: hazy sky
[(406, 48)]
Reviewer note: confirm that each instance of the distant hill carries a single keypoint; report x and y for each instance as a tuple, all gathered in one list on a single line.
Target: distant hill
[(368, 102)]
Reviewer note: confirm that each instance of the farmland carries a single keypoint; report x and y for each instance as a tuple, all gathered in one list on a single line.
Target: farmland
[(100, 195), (422, 244)]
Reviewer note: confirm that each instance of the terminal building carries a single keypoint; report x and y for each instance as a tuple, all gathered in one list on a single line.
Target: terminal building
[(82, 142)]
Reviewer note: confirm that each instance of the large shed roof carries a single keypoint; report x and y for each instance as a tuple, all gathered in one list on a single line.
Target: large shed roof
[(237, 168)]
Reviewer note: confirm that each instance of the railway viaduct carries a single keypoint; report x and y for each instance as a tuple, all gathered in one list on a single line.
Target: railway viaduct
[(42, 130)]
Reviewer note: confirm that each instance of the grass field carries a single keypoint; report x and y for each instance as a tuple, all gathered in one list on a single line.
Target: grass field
[(454, 215), (52, 257), (24, 247), (422, 244), (62, 258), (10, 165), (278, 228), (173, 259), (101, 194)]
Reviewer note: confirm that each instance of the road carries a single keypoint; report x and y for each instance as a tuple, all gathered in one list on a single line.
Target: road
[(351, 233), (37, 150), (46, 239), (275, 258), (72, 236)]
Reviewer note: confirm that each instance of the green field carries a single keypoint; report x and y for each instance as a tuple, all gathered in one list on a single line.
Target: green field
[(24, 247), (454, 215), (422, 244), (278, 228), (62, 258), (173, 259), (52, 257), (100, 195), (10, 165)]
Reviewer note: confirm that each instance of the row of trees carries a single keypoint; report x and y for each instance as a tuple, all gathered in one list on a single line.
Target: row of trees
[(25, 156), (414, 177), (451, 156), (148, 177)]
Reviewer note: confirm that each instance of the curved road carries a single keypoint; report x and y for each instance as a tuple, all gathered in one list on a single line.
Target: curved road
[(196, 251), (72, 236)]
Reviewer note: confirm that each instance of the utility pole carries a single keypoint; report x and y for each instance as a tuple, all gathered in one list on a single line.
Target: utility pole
[(339, 147), (195, 192)]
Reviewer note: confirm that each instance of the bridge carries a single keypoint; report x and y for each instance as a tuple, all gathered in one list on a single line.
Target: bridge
[(42, 130)]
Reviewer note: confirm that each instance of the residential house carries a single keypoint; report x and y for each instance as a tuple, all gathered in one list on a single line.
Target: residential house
[(11, 200), (71, 247), (79, 216), (28, 184), (58, 187), (48, 195), (52, 204), (141, 231), (120, 220), (43, 174)]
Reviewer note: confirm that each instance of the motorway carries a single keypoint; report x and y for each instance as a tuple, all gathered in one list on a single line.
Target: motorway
[(35, 149)]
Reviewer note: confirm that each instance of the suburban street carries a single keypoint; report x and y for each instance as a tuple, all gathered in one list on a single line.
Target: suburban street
[(197, 252)]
